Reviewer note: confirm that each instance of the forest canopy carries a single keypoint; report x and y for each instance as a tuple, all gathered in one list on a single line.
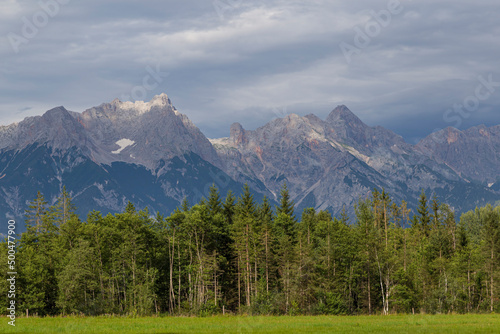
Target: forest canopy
[(235, 255)]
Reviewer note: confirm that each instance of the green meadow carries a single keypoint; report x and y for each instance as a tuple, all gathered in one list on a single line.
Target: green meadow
[(240, 324)]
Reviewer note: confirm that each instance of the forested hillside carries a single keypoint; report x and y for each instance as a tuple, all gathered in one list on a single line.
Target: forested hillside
[(233, 255)]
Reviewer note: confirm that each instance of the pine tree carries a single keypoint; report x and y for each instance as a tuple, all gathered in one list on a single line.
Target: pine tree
[(286, 205), (185, 205), (244, 231), (435, 211), (34, 215), (491, 248), (366, 229), (344, 218), (266, 218), (423, 214), (285, 230), (229, 207), (305, 270), (130, 208), (386, 202), (221, 247), (214, 201)]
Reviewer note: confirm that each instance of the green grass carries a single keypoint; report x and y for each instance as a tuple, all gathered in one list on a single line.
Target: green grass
[(289, 325)]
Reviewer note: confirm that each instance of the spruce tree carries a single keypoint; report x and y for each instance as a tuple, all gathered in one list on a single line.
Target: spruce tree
[(285, 229), (423, 214), (229, 207), (214, 201), (130, 208), (185, 205), (244, 231), (266, 221), (286, 205), (35, 212)]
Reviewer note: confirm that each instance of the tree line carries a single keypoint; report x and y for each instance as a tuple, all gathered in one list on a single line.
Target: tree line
[(234, 255)]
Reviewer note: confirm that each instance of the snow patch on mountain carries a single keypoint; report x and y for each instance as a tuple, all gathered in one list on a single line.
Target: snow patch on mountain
[(123, 143)]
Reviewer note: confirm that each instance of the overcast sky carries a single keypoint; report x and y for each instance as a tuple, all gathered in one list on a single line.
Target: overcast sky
[(241, 61)]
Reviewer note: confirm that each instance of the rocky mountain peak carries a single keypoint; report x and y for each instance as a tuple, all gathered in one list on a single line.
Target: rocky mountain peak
[(57, 127), (342, 116), (161, 99), (347, 125), (294, 121), (326, 163), (292, 117), (237, 134), (155, 130), (56, 114), (448, 135), (291, 122), (127, 109)]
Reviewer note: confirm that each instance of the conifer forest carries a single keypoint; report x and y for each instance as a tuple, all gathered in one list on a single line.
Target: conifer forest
[(237, 256)]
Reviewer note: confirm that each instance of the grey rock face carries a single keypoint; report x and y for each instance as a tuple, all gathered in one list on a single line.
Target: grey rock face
[(474, 153), (57, 126), (332, 163), (305, 152), (147, 131), (326, 163), (141, 133), (145, 152)]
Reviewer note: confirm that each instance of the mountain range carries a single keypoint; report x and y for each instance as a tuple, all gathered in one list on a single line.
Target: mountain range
[(152, 155)]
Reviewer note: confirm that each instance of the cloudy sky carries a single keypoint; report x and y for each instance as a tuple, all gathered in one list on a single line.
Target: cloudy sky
[(413, 67)]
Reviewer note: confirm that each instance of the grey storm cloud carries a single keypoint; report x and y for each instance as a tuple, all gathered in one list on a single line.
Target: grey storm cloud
[(400, 64)]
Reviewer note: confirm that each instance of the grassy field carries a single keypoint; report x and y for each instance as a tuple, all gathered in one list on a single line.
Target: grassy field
[(289, 325)]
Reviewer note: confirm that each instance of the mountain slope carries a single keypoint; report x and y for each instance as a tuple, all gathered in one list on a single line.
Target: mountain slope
[(332, 163), (474, 153), (147, 132), (152, 155), (144, 152)]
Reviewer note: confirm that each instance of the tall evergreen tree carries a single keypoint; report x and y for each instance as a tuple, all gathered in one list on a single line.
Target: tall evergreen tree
[(286, 204), (266, 218), (214, 201), (285, 231), (244, 232), (491, 249), (423, 214), (34, 215)]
